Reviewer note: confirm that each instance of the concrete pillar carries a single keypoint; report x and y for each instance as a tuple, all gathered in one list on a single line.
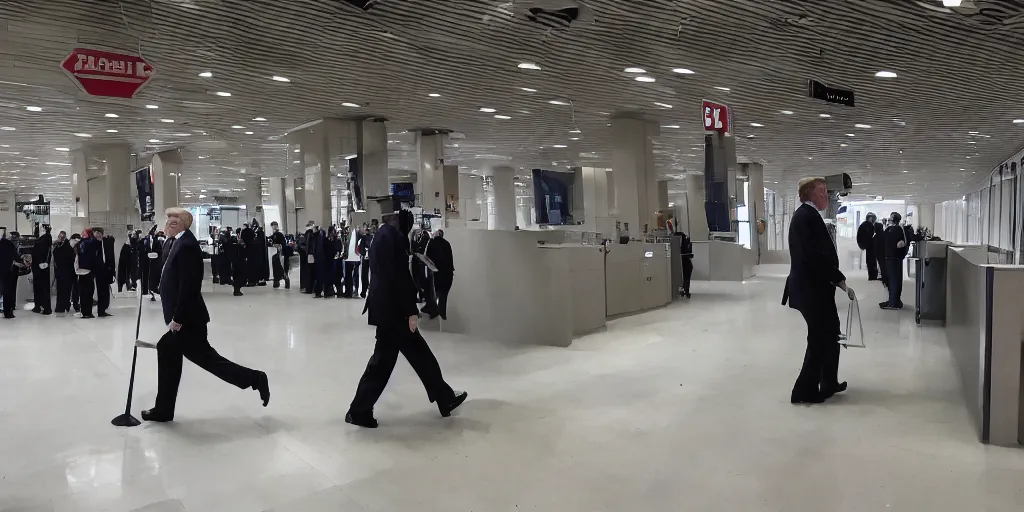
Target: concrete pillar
[(8, 214), (325, 147), (469, 197), (373, 158), (450, 190), (430, 175), (79, 191), (116, 160), (697, 218), (579, 201), (755, 205), (926, 216), (595, 201), (166, 168), (282, 195), (252, 197), (636, 188), (662, 194), (503, 197)]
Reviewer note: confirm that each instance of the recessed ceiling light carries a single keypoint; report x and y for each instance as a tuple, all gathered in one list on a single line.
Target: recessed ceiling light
[(352, 105), (237, 126), (154, 141), (663, 105), (851, 134), (222, 93), (111, 115), (84, 135), (167, 120), (241, 179), (527, 89), (279, 79), (34, 109), (843, 146), (557, 102), (248, 133), (559, 146), (723, 88), (182, 134), (62, 149), (886, 74), (644, 79), (1018, 121), (683, 71), (672, 126), (825, 116), (787, 112), (296, 162), (486, 109), (259, 119), (972, 133), (862, 125), (971, 142), (434, 95), (528, 65), (634, 70), (152, 106), (751, 136), (350, 157), (906, 171), (499, 116), (206, 74), (108, 131), (574, 138), (62, 164), (296, 150), (756, 125)]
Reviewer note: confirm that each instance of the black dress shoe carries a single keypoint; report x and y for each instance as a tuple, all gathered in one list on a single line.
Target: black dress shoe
[(88, 316), (103, 314), (287, 284), (8, 315), (155, 415), (37, 310), (78, 309), (316, 295), (47, 312), (806, 398), (263, 386), (832, 390), (237, 293), (446, 410), (364, 420)]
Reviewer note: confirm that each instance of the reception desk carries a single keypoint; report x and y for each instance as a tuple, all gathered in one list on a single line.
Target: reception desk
[(722, 261), (638, 276)]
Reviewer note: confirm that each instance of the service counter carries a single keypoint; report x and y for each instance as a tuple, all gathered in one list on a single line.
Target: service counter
[(715, 260), (984, 323), (520, 287)]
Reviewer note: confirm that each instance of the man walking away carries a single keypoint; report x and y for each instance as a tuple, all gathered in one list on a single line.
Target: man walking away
[(896, 247), (391, 305), (41, 259), (440, 253), (866, 242), (64, 271), (279, 263), (104, 273), (186, 317), (878, 242), (686, 251), (811, 289)]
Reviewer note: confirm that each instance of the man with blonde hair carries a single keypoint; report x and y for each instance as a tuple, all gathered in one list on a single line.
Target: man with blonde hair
[(811, 289), (186, 316)]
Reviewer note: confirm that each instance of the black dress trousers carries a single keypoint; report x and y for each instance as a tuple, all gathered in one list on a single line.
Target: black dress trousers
[(192, 342), (391, 341), (41, 288), (820, 370)]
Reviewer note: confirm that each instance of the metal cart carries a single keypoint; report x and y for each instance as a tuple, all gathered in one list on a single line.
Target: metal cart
[(930, 280)]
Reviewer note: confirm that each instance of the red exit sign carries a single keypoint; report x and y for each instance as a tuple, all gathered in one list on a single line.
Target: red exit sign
[(716, 117)]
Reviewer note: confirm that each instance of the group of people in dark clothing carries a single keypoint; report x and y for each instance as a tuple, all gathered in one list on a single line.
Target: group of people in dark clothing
[(885, 249), (81, 267), (241, 258)]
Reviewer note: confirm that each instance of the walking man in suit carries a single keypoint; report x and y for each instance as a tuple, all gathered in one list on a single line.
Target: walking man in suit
[(392, 309), (186, 317), (811, 289)]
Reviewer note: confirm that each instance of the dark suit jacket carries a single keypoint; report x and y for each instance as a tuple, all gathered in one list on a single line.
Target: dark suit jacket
[(440, 252), (90, 252), (814, 270), (392, 298), (182, 280)]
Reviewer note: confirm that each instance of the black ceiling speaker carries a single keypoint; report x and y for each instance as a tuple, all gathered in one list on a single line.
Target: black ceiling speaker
[(557, 13), (365, 5)]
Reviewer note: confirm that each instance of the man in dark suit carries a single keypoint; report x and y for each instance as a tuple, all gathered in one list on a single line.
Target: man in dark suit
[(440, 253), (104, 273), (186, 317), (392, 309), (866, 242), (811, 289), (41, 259), (896, 244)]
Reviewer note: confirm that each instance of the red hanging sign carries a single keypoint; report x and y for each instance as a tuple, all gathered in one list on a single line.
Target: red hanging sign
[(716, 117), (109, 74)]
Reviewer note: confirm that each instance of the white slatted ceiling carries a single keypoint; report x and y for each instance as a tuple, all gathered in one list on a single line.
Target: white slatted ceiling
[(957, 74)]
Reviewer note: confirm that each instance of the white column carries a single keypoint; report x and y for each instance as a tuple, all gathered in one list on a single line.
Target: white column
[(324, 150), (503, 196), (117, 162), (636, 186), (252, 197), (430, 175), (662, 195), (926, 216), (697, 217), (166, 170), (79, 191), (282, 196), (373, 157), (595, 201), (755, 205)]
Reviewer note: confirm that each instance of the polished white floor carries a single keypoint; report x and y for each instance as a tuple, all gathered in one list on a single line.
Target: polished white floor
[(681, 409)]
